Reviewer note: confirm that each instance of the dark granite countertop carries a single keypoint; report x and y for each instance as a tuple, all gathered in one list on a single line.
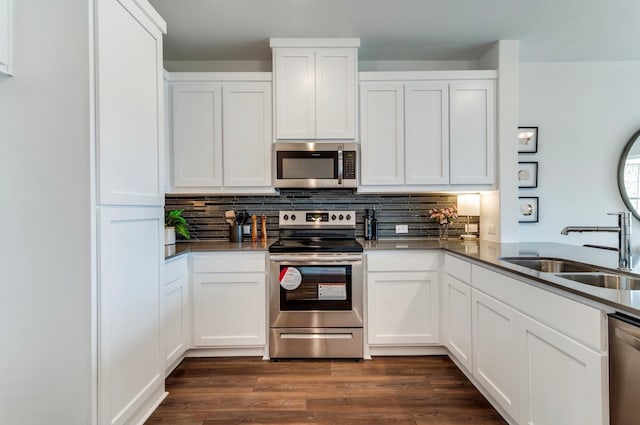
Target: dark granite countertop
[(171, 251), (487, 253), (491, 252)]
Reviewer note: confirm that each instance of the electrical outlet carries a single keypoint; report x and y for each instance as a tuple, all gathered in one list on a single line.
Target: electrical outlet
[(402, 228), (491, 229)]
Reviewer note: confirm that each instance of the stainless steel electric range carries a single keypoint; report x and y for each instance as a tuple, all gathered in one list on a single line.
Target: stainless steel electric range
[(315, 286)]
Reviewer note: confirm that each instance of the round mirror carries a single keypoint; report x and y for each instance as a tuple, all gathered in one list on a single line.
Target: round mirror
[(629, 175)]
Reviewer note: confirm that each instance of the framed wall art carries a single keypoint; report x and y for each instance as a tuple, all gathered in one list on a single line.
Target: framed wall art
[(528, 209), (527, 174), (527, 139)]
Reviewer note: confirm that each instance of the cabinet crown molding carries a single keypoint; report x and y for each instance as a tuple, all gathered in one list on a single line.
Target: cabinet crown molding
[(314, 42), (405, 76)]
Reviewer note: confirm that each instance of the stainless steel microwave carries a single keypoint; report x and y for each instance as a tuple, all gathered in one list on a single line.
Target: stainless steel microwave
[(315, 165)]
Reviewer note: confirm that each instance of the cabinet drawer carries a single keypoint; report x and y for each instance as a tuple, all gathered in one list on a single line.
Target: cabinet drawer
[(578, 321), (405, 261), (457, 268), (228, 262), (175, 268)]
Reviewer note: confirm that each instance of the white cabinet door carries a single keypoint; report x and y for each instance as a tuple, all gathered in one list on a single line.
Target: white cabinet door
[(131, 263), (197, 135), (129, 112), (6, 36), (335, 93), (382, 133), (472, 132), (295, 93), (426, 111), (176, 311), (456, 317), (563, 382), (495, 350), (229, 309), (402, 308), (247, 134)]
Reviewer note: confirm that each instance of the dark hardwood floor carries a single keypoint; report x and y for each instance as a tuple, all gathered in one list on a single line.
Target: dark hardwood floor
[(426, 390)]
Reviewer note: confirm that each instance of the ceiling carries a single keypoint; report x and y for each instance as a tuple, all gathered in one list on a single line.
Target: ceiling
[(548, 30)]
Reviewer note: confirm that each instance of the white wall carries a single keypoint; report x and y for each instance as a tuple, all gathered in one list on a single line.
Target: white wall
[(586, 112), (45, 315), (498, 218)]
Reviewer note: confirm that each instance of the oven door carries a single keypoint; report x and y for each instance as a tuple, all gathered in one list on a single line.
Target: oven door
[(316, 290)]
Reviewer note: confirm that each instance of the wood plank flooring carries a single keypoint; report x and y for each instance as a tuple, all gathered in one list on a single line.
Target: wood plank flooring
[(427, 390)]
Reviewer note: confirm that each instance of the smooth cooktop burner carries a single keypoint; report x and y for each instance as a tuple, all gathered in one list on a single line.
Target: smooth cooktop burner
[(316, 245)]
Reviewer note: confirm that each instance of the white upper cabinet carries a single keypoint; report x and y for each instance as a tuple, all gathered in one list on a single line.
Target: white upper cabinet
[(221, 132), (426, 133), (382, 136), (6, 37), (472, 137), (427, 130), (130, 122), (246, 124), (295, 93), (197, 135), (315, 88), (336, 93)]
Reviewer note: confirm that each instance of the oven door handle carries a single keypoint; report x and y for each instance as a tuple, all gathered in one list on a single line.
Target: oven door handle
[(340, 165), (314, 258)]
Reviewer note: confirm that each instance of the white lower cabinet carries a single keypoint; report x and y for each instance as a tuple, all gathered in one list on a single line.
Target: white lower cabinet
[(176, 311), (456, 318), (229, 299), (400, 308), (540, 356), (562, 381), (402, 298), (130, 359), (495, 349)]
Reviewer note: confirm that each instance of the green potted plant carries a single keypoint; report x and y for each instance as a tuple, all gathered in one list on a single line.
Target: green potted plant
[(174, 223)]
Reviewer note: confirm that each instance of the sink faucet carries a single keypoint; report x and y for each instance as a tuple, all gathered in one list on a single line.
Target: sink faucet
[(624, 236)]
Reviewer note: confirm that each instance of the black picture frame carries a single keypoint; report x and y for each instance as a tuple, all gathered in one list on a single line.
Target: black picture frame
[(528, 209), (527, 174), (527, 139)]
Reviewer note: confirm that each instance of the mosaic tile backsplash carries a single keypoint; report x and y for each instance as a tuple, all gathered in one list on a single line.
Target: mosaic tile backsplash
[(205, 213)]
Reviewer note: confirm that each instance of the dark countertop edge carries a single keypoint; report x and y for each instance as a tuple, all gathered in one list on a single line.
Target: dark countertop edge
[(555, 284), (181, 248), (480, 252)]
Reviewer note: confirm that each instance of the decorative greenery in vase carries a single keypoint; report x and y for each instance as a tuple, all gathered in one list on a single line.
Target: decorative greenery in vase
[(175, 219), (446, 215)]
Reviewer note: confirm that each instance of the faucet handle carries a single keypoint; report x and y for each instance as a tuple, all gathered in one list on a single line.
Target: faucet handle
[(624, 221)]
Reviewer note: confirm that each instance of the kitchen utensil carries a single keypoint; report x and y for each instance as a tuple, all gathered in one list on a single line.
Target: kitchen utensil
[(230, 217)]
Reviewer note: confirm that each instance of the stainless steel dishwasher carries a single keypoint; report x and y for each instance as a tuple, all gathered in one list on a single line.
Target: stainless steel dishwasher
[(624, 369)]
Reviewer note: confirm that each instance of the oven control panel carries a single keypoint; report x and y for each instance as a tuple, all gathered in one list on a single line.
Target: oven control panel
[(317, 218)]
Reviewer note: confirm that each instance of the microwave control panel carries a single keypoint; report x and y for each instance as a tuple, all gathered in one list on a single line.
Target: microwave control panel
[(349, 165)]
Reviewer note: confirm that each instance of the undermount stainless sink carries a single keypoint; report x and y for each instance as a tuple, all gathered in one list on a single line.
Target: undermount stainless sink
[(604, 280), (550, 265)]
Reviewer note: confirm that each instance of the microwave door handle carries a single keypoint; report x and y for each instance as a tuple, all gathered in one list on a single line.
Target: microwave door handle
[(340, 165)]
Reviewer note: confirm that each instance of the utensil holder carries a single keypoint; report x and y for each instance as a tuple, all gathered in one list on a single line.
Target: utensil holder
[(235, 233)]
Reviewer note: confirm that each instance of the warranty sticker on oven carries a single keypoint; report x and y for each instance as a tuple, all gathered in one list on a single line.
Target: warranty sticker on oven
[(290, 278), (332, 291)]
